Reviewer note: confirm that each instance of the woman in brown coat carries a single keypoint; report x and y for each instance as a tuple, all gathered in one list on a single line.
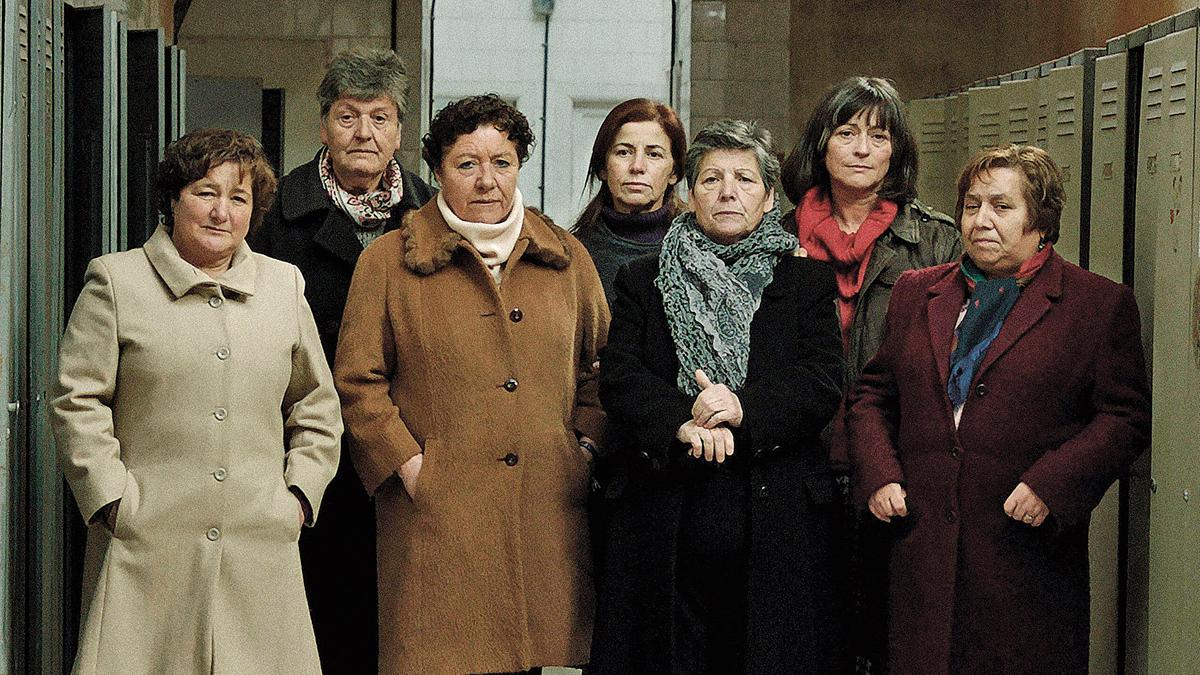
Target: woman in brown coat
[(1009, 392), (197, 426), (465, 369)]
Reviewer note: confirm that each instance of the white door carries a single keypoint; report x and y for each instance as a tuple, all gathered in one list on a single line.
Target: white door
[(564, 71)]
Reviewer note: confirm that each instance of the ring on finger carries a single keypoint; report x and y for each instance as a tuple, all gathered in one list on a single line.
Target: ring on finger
[(1028, 518)]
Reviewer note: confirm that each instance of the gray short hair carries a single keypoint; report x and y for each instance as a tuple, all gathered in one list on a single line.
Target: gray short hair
[(734, 135), (365, 75)]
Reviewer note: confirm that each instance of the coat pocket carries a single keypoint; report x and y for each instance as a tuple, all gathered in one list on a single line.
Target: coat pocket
[(430, 455), (821, 487), (128, 507)]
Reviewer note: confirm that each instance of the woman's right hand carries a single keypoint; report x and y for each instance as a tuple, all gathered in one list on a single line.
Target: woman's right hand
[(888, 502), (712, 445), (409, 471)]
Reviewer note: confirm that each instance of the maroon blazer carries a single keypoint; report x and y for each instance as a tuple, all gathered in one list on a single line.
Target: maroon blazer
[(1060, 402)]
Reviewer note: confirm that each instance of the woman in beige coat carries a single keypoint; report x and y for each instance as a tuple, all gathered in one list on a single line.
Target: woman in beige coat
[(465, 369), (187, 367)]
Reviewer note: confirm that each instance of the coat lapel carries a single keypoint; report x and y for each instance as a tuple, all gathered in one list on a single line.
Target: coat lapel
[(337, 237), (1034, 302), (945, 303)]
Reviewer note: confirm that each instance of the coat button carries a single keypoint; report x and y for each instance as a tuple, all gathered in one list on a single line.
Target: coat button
[(213, 534), (955, 452), (215, 301), (510, 384), (762, 490), (220, 414), (516, 315), (981, 390), (219, 474), (511, 459), (951, 516), (223, 353)]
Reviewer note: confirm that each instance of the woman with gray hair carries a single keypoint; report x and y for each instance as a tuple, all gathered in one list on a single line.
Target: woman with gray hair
[(723, 365), (325, 213)]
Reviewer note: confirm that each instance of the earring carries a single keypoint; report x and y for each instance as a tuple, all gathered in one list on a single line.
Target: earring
[(1041, 244)]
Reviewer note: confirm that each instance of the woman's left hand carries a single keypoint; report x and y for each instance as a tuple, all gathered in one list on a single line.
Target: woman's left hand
[(715, 405), (1024, 506)]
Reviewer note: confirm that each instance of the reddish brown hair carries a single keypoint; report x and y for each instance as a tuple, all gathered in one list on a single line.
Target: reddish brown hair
[(633, 110), (190, 158), (1043, 185)]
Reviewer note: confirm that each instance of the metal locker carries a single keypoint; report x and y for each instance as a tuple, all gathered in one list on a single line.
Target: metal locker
[(984, 111), (1020, 110), (144, 123), (1065, 94), (1106, 257), (958, 135), (176, 92), (935, 179), (1166, 266)]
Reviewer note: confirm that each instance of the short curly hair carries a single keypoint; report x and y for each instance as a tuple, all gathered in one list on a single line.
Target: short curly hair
[(365, 75), (466, 115), (194, 154), (1042, 185)]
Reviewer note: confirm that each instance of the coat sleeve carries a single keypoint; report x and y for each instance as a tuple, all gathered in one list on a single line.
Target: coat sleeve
[(1072, 479), (649, 408), (364, 366), (872, 407), (798, 399), (593, 320), (81, 413), (313, 420)]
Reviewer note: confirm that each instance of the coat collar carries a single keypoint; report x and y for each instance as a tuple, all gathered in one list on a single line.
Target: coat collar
[(430, 244), (301, 196), (182, 277), (948, 294)]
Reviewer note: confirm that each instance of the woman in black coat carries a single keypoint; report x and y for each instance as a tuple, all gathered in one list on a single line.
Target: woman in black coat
[(720, 555)]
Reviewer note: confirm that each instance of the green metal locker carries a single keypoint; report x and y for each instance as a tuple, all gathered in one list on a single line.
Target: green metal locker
[(935, 175)]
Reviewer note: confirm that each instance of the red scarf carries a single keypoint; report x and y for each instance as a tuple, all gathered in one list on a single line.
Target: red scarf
[(820, 235)]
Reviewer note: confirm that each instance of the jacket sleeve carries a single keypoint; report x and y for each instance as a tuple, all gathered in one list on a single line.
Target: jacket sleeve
[(1072, 479), (81, 413), (872, 407), (798, 399), (313, 419), (649, 408), (364, 366), (593, 320)]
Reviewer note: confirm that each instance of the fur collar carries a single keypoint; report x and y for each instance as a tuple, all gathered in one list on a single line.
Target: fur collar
[(429, 243)]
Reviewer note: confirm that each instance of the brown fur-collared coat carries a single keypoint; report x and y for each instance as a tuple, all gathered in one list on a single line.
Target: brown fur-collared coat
[(486, 567)]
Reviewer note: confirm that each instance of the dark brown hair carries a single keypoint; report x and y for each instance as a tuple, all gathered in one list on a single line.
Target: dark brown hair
[(464, 117), (194, 154), (633, 110), (805, 166), (1043, 184)]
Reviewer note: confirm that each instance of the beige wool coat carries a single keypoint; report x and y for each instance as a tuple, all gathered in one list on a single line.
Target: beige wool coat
[(198, 404), (486, 567)]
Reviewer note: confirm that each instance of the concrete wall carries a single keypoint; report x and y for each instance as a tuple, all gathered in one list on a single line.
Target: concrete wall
[(287, 45)]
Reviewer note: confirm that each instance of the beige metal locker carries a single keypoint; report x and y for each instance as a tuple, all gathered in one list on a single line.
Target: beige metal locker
[(1166, 262), (984, 112), (1106, 257), (935, 174), (958, 134), (1020, 110), (1061, 99)]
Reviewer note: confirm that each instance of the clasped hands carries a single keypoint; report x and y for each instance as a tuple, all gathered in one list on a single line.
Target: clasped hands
[(1023, 505), (715, 413)]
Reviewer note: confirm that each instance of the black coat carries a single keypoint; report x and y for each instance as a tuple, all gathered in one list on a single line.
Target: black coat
[(792, 389), (304, 228)]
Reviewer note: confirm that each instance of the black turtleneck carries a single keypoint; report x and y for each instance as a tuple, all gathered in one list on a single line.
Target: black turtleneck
[(616, 238)]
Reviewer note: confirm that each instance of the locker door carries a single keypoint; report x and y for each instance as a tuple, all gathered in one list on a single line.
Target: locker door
[(1169, 119), (1106, 257), (175, 88), (935, 177), (1106, 243), (144, 122), (1020, 110), (984, 112), (958, 134), (1061, 99)]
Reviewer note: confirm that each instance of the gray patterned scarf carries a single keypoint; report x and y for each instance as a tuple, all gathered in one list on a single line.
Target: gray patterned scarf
[(710, 293)]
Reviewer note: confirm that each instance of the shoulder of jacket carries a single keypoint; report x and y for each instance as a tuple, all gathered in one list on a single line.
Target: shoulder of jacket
[(927, 214)]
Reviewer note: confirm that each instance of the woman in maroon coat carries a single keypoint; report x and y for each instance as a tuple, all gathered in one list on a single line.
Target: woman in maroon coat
[(1009, 392)]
